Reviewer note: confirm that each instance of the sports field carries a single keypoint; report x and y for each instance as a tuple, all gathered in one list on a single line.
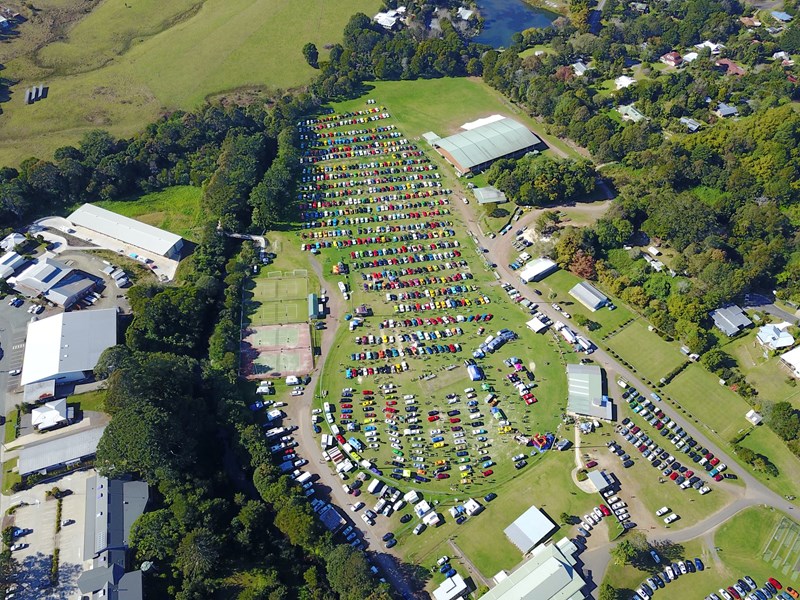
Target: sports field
[(176, 209), (275, 301), (124, 63), (652, 356), (277, 350)]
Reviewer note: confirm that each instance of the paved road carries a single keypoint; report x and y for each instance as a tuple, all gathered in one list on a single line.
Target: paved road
[(765, 303), (596, 560)]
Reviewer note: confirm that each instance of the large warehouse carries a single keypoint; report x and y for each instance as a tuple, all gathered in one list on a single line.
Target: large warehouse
[(586, 398), (589, 296), (474, 150), (128, 231), (530, 529), (53, 280), (62, 348)]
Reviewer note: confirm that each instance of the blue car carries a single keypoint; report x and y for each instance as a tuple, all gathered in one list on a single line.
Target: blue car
[(450, 573), (699, 564), (445, 568)]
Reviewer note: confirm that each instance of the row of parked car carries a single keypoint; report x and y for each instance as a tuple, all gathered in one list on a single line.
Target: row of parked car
[(670, 573), (747, 589)]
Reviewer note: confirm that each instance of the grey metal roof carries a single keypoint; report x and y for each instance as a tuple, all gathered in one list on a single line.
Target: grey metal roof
[(112, 505), (59, 451), (111, 583), (487, 143), (549, 575), (585, 384), (489, 195), (730, 319), (67, 343), (599, 480), (124, 229), (588, 295), (529, 529)]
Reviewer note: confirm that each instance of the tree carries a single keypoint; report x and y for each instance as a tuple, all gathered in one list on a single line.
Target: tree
[(155, 535), (715, 360), (113, 358), (198, 553), (607, 592), (624, 552), (783, 419), (311, 54)]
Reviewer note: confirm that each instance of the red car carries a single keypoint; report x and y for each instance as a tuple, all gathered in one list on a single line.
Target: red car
[(340, 438), (776, 583), (367, 392), (604, 509), (688, 474), (391, 402), (714, 462), (591, 463), (488, 472), (433, 418), (442, 476), (734, 593), (659, 425), (635, 430), (347, 405), (455, 420), (674, 475), (717, 477)]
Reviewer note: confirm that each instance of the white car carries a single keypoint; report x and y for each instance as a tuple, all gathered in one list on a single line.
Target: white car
[(598, 513), (15, 372), (367, 520), (297, 392), (668, 572), (618, 505), (704, 490), (662, 511), (466, 201), (356, 507), (671, 519), (682, 567), (316, 411)]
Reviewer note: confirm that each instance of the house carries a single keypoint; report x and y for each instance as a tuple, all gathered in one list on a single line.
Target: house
[(690, 124), (629, 113), (530, 529), (50, 415), (781, 16), (730, 320), (11, 241), (452, 588), (754, 417), (690, 57), (464, 13), (729, 67), (750, 21), (585, 397), (588, 295), (580, 68), (9, 263), (623, 82), (550, 574), (639, 7), (391, 19), (672, 59), (724, 111), (712, 46), (782, 55), (774, 337), (791, 359)]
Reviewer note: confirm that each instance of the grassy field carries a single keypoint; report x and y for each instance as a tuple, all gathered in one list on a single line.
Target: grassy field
[(653, 357), (443, 105), (772, 381), (559, 284), (119, 68), (10, 475), (764, 441), (740, 542), (10, 427), (176, 209)]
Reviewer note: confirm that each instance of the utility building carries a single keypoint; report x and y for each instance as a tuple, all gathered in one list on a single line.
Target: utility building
[(589, 296)]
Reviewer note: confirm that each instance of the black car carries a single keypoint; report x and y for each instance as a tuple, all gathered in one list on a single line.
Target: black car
[(537, 292), (729, 476), (391, 543), (656, 463), (658, 580), (489, 497), (520, 464), (627, 464), (387, 536), (405, 518)]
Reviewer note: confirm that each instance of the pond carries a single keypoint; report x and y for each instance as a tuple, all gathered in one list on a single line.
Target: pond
[(506, 17)]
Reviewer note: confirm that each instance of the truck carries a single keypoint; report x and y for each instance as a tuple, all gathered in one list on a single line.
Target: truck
[(304, 476), (274, 415)]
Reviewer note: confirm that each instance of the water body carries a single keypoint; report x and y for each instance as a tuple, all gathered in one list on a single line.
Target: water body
[(504, 18)]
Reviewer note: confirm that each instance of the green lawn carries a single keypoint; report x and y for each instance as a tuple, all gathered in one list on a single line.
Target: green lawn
[(120, 68), (443, 105), (766, 374), (10, 476), (10, 431), (764, 441), (740, 541), (176, 209), (94, 400), (652, 356)]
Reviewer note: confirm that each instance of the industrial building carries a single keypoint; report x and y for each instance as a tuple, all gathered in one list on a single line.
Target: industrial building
[(600, 480), (65, 347), (10, 262), (127, 231), (530, 529), (538, 269), (489, 195), (589, 296), (112, 506), (730, 320), (550, 574), (585, 396), (53, 280), (59, 452), (452, 588), (476, 149)]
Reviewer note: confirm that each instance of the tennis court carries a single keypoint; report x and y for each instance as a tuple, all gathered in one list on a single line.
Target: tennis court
[(783, 549), (277, 351), (279, 289), (278, 300)]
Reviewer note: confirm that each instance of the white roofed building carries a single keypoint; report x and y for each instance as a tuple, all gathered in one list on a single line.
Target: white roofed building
[(128, 231), (586, 398), (589, 296), (792, 360), (538, 269), (451, 588), (775, 336), (10, 262), (54, 281), (11, 241), (50, 415), (529, 529), (66, 346)]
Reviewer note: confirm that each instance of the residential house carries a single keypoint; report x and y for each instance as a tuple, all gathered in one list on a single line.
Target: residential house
[(624, 81), (672, 59), (580, 68), (774, 337), (729, 67), (713, 46), (781, 16), (750, 21), (730, 319), (629, 113), (724, 111), (691, 124)]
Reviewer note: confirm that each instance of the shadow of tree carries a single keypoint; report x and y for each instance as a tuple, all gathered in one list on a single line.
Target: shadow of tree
[(33, 578)]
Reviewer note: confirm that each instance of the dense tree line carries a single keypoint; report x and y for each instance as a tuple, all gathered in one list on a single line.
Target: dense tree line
[(541, 181)]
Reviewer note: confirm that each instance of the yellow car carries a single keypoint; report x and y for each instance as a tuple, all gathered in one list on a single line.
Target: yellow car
[(439, 445), (369, 420), (367, 403), (440, 462)]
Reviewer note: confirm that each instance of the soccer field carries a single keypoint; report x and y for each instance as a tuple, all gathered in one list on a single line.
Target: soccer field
[(652, 356)]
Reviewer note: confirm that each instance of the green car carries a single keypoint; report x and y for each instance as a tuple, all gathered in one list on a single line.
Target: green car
[(397, 452)]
